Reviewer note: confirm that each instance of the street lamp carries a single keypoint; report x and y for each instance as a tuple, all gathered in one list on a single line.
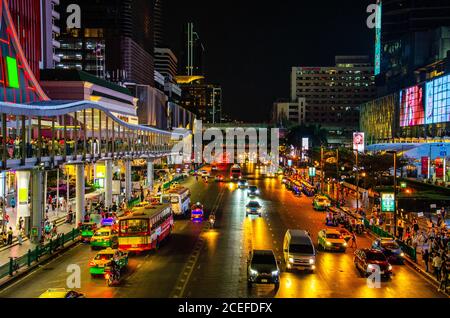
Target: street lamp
[(395, 190)]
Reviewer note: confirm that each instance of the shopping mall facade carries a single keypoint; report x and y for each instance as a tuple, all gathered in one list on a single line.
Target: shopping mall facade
[(414, 121)]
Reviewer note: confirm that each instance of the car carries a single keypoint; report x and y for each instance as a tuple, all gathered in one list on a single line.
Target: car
[(219, 178), (262, 268), (61, 293), (321, 203), (253, 207), (242, 184), (390, 248), (331, 239), (87, 231), (253, 191), (368, 260), (104, 238), (103, 259)]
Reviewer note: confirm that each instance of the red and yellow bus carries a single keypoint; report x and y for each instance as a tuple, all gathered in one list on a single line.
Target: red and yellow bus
[(145, 227)]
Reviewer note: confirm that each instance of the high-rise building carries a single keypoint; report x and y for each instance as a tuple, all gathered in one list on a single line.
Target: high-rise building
[(414, 39), (285, 111), (26, 15), (166, 63), (333, 94), (201, 98), (49, 34), (192, 56), (159, 25), (115, 40)]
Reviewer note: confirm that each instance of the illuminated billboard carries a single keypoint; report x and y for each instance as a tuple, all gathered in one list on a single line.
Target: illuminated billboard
[(412, 109), (378, 39), (438, 100), (359, 141)]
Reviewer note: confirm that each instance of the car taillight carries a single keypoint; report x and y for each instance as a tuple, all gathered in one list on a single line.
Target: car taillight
[(91, 264), (106, 276)]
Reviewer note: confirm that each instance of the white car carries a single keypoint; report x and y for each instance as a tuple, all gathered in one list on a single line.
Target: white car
[(204, 174)]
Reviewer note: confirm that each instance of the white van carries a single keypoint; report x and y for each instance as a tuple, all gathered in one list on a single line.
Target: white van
[(299, 251)]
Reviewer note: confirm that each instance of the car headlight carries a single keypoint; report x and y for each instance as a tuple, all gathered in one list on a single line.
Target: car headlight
[(257, 191), (311, 261), (248, 209), (275, 273), (328, 243), (345, 244), (390, 267), (291, 260), (402, 254), (253, 272)]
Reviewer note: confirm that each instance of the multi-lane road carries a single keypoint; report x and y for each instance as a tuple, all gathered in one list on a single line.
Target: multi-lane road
[(197, 262)]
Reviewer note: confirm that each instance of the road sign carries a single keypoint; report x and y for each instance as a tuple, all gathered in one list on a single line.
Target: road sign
[(433, 206), (403, 185), (312, 171), (387, 202)]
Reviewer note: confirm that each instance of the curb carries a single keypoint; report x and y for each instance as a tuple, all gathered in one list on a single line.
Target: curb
[(44, 260), (417, 268)]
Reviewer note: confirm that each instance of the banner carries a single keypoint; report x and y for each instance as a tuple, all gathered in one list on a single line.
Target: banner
[(23, 180), (425, 166), (439, 168)]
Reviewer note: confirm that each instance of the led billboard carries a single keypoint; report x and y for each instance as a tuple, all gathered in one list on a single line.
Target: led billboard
[(412, 110), (438, 100)]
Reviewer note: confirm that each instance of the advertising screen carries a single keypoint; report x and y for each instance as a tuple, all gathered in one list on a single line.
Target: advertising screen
[(412, 110), (358, 142), (387, 202), (438, 101)]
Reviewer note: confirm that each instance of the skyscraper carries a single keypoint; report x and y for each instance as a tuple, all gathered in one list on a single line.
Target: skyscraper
[(115, 40), (49, 33), (159, 23)]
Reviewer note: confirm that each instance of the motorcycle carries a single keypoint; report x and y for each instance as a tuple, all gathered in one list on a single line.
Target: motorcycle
[(112, 277)]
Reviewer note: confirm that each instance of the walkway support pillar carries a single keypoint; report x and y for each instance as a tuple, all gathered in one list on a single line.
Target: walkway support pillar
[(108, 182), (80, 193), (128, 185), (37, 203), (150, 174)]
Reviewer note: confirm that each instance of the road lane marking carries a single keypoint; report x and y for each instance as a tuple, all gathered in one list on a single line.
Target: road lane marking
[(187, 271)]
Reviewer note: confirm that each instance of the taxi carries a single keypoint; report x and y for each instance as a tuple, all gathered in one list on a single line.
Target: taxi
[(105, 237), (345, 234), (61, 293), (332, 239), (321, 203), (87, 231), (104, 258)]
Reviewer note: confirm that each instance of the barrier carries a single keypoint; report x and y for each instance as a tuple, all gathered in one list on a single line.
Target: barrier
[(27, 260)]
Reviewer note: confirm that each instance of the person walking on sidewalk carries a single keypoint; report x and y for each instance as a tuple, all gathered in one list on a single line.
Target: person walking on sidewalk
[(426, 259), (20, 224), (444, 277), (20, 237), (437, 263), (10, 236)]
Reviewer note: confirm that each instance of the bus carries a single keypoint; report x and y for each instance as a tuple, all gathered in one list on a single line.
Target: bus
[(235, 173), (179, 198), (145, 228)]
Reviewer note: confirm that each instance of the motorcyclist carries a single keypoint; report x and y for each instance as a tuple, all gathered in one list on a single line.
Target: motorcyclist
[(115, 268), (212, 219)]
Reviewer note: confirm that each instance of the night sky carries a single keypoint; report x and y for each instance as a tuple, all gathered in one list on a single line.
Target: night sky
[(252, 45)]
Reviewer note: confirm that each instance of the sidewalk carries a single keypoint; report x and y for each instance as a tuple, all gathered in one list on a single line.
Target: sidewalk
[(16, 250)]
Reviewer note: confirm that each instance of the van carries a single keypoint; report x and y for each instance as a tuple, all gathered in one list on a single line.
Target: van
[(299, 251)]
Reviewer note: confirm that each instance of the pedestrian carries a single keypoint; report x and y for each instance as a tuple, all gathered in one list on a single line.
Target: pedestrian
[(426, 259), (10, 236), (416, 226), (20, 223), (5, 238), (13, 202), (444, 277), (19, 237), (437, 263), (353, 239)]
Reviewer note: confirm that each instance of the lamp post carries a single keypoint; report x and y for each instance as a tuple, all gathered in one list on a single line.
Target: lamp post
[(395, 191), (357, 182), (322, 174)]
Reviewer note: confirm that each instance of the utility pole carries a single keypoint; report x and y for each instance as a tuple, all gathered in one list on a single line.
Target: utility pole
[(357, 183), (322, 171), (338, 177), (395, 193)]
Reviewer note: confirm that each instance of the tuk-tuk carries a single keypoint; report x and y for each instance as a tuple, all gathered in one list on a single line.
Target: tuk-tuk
[(87, 231), (197, 213)]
